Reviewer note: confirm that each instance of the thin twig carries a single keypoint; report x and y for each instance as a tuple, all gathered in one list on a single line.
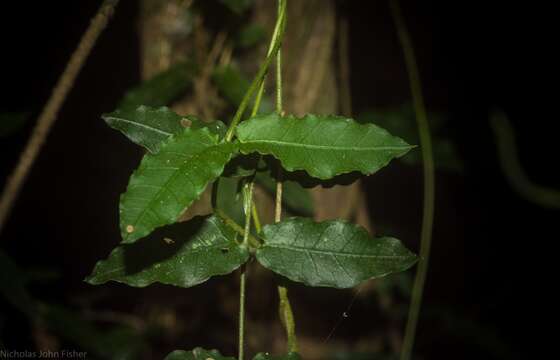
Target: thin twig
[(429, 180), (49, 113)]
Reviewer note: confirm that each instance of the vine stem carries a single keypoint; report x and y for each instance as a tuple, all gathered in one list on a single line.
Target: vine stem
[(249, 206), (429, 180), (258, 81), (49, 113), (284, 307)]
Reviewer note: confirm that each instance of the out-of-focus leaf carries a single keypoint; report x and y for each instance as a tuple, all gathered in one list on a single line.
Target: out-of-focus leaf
[(12, 122), (197, 354), (162, 89), (295, 198), (267, 356), (238, 6), (233, 85), (251, 35), (331, 253), (118, 343), (229, 199), (183, 254), (150, 127), (13, 286), (165, 184), (401, 122), (323, 146)]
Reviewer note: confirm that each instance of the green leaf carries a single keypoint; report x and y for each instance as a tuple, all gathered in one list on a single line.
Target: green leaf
[(330, 253), (229, 198), (267, 356), (149, 127), (197, 354), (165, 184), (323, 146), (183, 254), (162, 89)]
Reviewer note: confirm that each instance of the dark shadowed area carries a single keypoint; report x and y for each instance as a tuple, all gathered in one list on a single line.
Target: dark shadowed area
[(490, 286)]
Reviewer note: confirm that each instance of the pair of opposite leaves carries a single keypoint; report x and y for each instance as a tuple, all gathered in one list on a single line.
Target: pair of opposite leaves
[(184, 160)]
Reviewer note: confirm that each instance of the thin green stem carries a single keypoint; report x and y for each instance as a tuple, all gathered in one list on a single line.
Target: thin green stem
[(429, 180), (238, 228), (284, 308), (257, 82), (247, 206), (242, 284)]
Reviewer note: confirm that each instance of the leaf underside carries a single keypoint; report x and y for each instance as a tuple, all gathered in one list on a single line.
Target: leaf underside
[(166, 183), (331, 253), (323, 146), (197, 354), (183, 254), (149, 127)]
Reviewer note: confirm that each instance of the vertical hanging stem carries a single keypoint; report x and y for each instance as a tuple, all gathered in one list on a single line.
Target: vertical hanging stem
[(285, 309), (50, 111), (429, 180), (249, 206)]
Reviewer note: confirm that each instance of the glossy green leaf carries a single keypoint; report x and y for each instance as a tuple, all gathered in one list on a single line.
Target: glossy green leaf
[(162, 89), (197, 354), (323, 146), (149, 127), (183, 254), (165, 184), (267, 356), (331, 253)]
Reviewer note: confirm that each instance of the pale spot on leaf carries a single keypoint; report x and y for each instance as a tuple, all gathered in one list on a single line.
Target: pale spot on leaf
[(186, 122), (129, 229)]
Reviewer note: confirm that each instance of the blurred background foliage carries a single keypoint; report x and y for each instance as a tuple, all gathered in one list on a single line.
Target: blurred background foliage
[(198, 58)]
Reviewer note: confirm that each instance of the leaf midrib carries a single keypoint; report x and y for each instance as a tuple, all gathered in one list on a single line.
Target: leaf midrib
[(331, 252), (325, 147), (139, 125), (166, 184)]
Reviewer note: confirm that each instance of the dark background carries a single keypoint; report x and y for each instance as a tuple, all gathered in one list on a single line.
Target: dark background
[(493, 258)]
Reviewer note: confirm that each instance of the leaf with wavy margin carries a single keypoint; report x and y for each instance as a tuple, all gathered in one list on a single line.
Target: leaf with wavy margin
[(165, 184), (331, 253), (183, 254), (324, 146)]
